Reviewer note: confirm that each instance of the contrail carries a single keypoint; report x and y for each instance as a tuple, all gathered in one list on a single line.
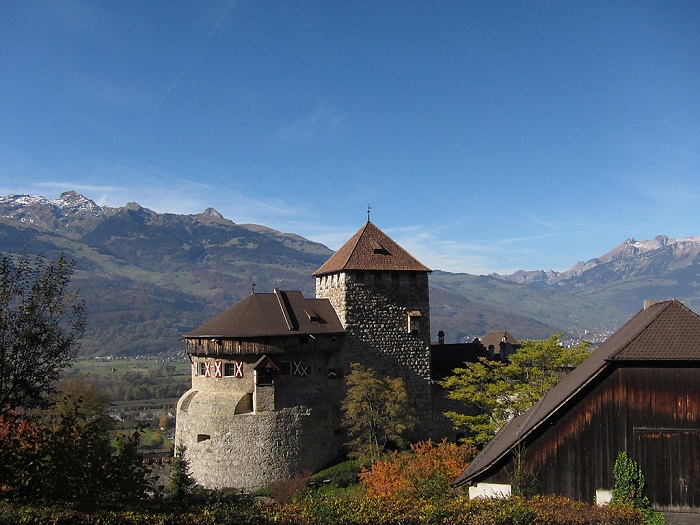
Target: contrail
[(165, 96), (189, 64)]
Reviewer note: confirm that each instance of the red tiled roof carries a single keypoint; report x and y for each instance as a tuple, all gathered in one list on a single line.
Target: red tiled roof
[(272, 314), (664, 331), (370, 249)]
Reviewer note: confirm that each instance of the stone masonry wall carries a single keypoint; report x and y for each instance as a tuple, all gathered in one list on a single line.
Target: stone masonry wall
[(248, 451), (239, 434), (374, 309)]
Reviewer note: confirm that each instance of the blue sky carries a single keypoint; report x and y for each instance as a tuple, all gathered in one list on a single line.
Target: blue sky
[(486, 136)]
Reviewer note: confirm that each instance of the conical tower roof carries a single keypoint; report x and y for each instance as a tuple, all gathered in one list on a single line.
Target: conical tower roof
[(371, 249)]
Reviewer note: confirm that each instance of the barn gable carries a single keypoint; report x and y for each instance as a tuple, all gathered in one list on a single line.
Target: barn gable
[(638, 393)]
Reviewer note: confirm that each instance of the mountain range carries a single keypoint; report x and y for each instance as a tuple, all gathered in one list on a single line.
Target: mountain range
[(148, 277)]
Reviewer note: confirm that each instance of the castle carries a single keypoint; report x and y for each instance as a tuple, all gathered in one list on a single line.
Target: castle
[(267, 374)]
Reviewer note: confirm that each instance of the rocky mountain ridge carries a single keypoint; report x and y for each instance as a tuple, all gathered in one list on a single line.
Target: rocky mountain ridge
[(631, 257), (148, 277)]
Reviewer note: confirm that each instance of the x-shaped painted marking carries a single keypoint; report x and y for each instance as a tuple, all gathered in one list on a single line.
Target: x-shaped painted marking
[(300, 370)]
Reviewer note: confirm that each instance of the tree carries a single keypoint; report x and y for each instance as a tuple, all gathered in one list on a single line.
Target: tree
[(76, 457), (63, 453), (129, 478), (157, 439), (41, 322), (375, 412), (494, 392), (181, 483)]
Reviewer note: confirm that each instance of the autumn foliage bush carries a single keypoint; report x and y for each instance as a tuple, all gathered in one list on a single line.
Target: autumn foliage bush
[(454, 510), (425, 471), (350, 508)]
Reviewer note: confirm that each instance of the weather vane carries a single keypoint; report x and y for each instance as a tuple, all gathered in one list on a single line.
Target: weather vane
[(369, 208)]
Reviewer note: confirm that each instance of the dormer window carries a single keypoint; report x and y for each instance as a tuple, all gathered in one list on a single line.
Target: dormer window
[(379, 249), (313, 316)]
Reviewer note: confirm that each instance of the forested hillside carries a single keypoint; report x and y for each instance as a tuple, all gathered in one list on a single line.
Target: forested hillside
[(149, 277)]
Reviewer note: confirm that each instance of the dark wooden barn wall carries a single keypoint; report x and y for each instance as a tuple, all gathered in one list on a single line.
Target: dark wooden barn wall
[(652, 413)]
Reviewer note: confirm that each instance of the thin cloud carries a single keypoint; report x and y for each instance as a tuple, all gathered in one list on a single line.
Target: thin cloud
[(514, 240), (548, 224), (172, 86), (76, 186), (313, 127)]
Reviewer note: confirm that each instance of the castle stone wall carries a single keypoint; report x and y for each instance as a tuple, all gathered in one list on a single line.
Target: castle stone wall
[(375, 308), (248, 451), (245, 435)]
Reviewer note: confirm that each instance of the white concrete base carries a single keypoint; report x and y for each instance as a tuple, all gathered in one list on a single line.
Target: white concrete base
[(603, 497), (489, 490)]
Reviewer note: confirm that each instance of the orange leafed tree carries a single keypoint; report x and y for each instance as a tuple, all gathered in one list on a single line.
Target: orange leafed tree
[(425, 471)]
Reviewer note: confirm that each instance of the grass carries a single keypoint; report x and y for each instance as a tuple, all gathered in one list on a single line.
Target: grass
[(146, 437), (98, 367), (341, 474)]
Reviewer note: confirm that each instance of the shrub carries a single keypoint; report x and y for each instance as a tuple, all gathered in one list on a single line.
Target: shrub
[(425, 471), (629, 489), (284, 490), (340, 475)]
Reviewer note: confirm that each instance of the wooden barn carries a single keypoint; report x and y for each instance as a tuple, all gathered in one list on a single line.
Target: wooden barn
[(638, 392)]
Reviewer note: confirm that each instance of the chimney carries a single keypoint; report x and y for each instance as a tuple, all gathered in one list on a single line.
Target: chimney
[(649, 302)]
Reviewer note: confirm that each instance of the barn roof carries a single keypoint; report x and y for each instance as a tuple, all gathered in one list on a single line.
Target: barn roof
[(279, 313), (664, 331), (370, 249)]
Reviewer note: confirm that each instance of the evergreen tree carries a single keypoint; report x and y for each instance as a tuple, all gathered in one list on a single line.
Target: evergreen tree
[(181, 483), (129, 478)]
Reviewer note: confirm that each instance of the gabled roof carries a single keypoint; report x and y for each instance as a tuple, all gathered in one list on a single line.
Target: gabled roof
[(370, 249), (279, 313), (495, 337), (664, 331)]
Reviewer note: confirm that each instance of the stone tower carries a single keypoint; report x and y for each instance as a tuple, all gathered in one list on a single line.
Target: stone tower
[(380, 293)]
